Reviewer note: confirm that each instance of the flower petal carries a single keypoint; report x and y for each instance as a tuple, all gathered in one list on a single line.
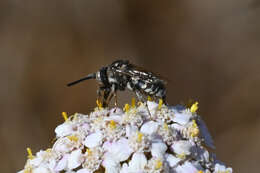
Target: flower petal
[(75, 159), (149, 127), (83, 170), (181, 118), (64, 129), (62, 164), (119, 151), (186, 167), (137, 162), (158, 149), (182, 147), (172, 160), (93, 140)]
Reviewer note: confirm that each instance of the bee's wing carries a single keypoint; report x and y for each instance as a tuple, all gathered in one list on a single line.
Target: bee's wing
[(141, 73)]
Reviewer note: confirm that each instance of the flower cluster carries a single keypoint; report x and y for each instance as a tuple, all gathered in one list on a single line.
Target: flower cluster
[(148, 138)]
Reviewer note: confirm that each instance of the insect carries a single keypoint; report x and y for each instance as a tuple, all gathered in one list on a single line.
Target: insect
[(121, 75)]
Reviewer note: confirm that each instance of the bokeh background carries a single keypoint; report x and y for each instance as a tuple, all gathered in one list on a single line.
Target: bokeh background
[(209, 51)]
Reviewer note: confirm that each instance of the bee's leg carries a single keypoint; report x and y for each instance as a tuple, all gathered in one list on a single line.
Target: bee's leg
[(107, 92), (100, 95), (115, 95), (140, 96), (164, 100), (148, 109)]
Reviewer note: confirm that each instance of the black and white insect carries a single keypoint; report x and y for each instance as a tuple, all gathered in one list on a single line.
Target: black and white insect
[(121, 75)]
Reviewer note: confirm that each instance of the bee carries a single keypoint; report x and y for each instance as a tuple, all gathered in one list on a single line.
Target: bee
[(121, 75)]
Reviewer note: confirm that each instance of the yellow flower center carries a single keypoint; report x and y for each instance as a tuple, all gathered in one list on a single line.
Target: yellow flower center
[(158, 164), (28, 169), (89, 152), (139, 137), (181, 156), (165, 126), (73, 138), (112, 124)]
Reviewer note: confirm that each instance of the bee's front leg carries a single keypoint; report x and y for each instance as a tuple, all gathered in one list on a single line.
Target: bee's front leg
[(106, 98), (100, 95)]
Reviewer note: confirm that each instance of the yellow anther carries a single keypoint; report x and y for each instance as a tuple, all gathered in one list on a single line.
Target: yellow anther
[(200, 171), (65, 116), (195, 132), (48, 150), (149, 98), (165, 126), (194, 107), (73, 138), (75, 116), (140, 103), (181, 156), (89, 152), (160, 104), (139, 137), (133, 102), (112, 124), (30, 155), (194, 129), (126, 108), (28, 170), (194, 124), (158, 164), (99, 104)]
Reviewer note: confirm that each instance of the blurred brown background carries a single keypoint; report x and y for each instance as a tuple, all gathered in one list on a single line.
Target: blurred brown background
[(208, 49)]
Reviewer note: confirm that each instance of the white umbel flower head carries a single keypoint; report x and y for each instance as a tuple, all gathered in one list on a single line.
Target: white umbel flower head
[(152, 138)]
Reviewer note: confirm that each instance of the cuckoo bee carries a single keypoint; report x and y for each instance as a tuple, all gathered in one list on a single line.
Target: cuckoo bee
[(121, 75)]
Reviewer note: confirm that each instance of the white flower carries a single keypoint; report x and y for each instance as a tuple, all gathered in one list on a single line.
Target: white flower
[(222, 169), (168, 140), (93, 140), (83, 170), (64, 145), (62, 164), (137, 163), (172, 160), (181, 147), (149, 127), (131, 130), (64, 129), (111, 165), (187, 167), (182, 118), (119, 151), (158, 149), (75, 159), (41, 170)]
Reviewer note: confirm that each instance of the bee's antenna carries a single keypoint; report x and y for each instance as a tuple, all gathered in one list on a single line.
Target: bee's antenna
[(90, 76)]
